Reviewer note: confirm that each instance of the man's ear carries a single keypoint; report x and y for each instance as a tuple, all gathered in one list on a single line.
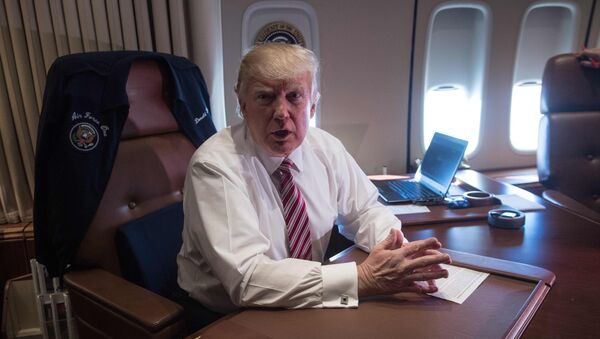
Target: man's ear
[(313, 106), (242, 108)]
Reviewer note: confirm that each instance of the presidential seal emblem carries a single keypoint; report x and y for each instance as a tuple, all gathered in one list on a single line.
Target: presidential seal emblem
[(84, 136), (280, 32)]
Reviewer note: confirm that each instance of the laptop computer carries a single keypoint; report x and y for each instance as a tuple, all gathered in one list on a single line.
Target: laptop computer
[(433, 177)]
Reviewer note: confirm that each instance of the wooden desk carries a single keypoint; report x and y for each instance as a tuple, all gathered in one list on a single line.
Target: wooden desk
[(552, 239), (501, 307)]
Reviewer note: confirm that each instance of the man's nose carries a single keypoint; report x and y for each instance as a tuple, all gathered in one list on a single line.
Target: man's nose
[(281, 108)]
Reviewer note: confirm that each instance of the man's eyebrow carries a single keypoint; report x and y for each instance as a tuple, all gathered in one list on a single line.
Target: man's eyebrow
[(295, 87), (260, 88)]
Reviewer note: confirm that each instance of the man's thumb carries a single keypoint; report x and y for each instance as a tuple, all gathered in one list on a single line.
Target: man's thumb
[(388, 242)]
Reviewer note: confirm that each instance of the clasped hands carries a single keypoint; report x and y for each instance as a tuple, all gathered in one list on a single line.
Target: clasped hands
[(393, 266)]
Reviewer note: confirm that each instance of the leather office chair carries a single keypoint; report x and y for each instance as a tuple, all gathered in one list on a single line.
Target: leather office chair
[(125, 266), (568, 158)]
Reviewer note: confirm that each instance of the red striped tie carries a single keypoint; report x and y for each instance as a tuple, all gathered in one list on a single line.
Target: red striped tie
[(294, 212)]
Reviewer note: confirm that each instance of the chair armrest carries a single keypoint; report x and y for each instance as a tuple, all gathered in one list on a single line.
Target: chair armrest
[(107, 303), (571, 205)]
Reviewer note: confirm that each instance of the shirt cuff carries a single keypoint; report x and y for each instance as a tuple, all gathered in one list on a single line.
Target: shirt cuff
[(340, 285)]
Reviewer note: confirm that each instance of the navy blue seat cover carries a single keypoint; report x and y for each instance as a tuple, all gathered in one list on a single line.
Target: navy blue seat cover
[(147, 248)]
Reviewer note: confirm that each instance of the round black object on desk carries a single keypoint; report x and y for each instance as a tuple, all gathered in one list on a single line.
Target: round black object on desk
[(480, 198), (506, 218)]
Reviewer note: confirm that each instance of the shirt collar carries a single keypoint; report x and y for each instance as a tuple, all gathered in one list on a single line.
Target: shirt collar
[(270, 162)]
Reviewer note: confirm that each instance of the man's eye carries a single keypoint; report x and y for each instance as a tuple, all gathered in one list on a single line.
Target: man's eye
[(263, 97), (294, 96)]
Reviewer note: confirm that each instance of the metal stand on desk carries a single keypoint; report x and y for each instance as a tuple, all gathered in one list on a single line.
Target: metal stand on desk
[(53, 307)]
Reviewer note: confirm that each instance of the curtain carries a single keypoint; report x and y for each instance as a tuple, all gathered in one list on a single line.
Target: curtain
[(33, 33)]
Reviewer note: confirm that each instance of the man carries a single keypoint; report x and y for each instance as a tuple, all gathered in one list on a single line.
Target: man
[(243, 245)]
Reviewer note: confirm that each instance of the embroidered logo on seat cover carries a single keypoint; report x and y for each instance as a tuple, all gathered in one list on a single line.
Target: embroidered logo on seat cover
[(87, 131), (197, 120), (84, 136)]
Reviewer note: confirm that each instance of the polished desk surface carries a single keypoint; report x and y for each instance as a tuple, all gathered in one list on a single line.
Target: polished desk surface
[(553, 239), (499, 308)]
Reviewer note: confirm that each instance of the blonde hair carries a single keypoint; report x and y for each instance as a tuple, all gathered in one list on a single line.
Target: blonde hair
[(277, 61)]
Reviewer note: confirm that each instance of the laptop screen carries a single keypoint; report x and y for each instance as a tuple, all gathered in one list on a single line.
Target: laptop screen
[(441, 161)]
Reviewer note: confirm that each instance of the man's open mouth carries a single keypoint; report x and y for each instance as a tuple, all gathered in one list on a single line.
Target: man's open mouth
[(281, 133)]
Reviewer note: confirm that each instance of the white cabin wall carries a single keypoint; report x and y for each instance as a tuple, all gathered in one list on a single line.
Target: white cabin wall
[(594, 38), (365, 55), (365, 49)]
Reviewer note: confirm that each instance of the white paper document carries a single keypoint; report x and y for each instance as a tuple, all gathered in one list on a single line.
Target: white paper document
[(459, 285), (519, 203), (407, 209)]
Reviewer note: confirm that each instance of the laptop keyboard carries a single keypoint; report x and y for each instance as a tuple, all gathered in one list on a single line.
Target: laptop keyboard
[(411, 190)]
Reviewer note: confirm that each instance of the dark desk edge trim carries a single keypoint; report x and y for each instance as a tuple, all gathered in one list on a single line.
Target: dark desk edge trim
[(528, 311), (502, 267)]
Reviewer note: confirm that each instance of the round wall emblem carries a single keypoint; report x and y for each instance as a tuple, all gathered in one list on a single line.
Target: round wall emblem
[(280, 32), (84, 136)]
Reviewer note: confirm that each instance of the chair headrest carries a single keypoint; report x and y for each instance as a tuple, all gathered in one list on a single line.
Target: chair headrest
[(149, 113), (569, 87)]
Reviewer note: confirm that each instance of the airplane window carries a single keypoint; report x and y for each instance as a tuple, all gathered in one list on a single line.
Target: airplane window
[(547, 29), (525, 115), (454, 73), (449, 110)]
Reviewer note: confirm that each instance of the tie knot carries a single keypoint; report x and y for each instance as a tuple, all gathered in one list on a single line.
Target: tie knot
[(286, 166)]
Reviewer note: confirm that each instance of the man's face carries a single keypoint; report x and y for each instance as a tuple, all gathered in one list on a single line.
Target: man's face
[(278, 112)]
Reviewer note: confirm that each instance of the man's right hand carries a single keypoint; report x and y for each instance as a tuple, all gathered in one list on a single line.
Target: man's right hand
[(410, 267)]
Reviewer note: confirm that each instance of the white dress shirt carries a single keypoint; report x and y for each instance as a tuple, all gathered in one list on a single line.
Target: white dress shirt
[(235, 251)]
